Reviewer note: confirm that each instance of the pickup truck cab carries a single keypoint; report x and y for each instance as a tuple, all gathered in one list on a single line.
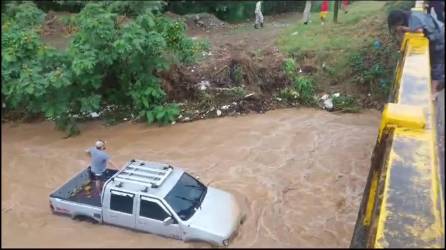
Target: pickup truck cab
[(154, 198)]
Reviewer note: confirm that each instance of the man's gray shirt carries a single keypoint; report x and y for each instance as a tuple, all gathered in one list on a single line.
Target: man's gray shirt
[(432, 29), (98, 160)]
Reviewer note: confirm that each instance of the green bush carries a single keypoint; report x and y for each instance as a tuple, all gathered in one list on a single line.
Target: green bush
[(305, 88), (374, 67), (237, 92), (22, 50), (106, 63), (346, 104), (289, 66), (302, 88), (289, 94), (128, 8), (24, 16), (134, 8)]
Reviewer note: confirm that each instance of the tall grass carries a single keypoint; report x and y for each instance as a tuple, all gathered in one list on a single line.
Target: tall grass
[(348, 33)]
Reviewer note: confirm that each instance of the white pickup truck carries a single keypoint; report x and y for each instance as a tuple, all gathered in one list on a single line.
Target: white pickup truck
[(152, 197)]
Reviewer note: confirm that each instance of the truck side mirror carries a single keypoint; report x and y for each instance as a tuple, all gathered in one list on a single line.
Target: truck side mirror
[(197, 177), (167, 221)]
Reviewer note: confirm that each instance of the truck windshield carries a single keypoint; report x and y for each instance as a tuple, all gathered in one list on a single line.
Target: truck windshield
[(186, 196)]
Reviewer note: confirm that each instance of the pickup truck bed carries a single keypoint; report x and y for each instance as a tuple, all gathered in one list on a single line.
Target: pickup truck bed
[(81, 189)]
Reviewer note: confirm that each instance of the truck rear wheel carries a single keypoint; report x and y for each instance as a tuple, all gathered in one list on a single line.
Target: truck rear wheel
[(85, 218)]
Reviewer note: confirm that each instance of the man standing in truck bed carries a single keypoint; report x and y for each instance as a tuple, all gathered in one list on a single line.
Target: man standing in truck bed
[(99, 159)]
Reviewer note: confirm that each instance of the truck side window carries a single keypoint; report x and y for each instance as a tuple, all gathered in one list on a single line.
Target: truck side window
[(121, 202), (152, 210)]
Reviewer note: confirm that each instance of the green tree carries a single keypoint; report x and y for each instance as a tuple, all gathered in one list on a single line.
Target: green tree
[(64, 86)]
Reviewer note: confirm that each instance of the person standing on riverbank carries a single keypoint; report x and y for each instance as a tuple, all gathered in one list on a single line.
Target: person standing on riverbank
[(345, 6), (324, 11), (259, 15), (307, 12)]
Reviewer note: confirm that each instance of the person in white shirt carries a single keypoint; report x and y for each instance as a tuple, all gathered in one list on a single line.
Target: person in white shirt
[(259, 15), (307, 11)]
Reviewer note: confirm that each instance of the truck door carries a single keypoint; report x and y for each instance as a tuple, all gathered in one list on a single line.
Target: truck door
[(152, 216), (119, 210)]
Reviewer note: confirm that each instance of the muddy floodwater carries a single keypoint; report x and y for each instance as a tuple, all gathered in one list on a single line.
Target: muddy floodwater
[(298, 175)]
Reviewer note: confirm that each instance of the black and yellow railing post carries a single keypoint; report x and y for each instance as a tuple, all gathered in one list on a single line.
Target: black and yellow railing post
[(403, 203)]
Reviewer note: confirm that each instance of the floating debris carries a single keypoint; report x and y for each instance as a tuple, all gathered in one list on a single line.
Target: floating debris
[(203, 85), (376, 44), (327, 102)]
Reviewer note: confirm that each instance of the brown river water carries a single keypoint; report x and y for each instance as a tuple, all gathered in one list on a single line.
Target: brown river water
[(298, 175)]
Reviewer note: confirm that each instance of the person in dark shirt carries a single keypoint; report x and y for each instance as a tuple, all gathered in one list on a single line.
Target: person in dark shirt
[(438, 8), (400, 22)]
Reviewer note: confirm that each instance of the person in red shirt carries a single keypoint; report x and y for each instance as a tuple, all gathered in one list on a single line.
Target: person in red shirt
[(324, 11), (345, 6)]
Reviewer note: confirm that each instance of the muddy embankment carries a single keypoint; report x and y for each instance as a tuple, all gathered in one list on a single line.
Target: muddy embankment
[(242, 72)]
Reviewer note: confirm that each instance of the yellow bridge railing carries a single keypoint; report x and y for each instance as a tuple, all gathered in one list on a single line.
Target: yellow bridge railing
[(403, 204)]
